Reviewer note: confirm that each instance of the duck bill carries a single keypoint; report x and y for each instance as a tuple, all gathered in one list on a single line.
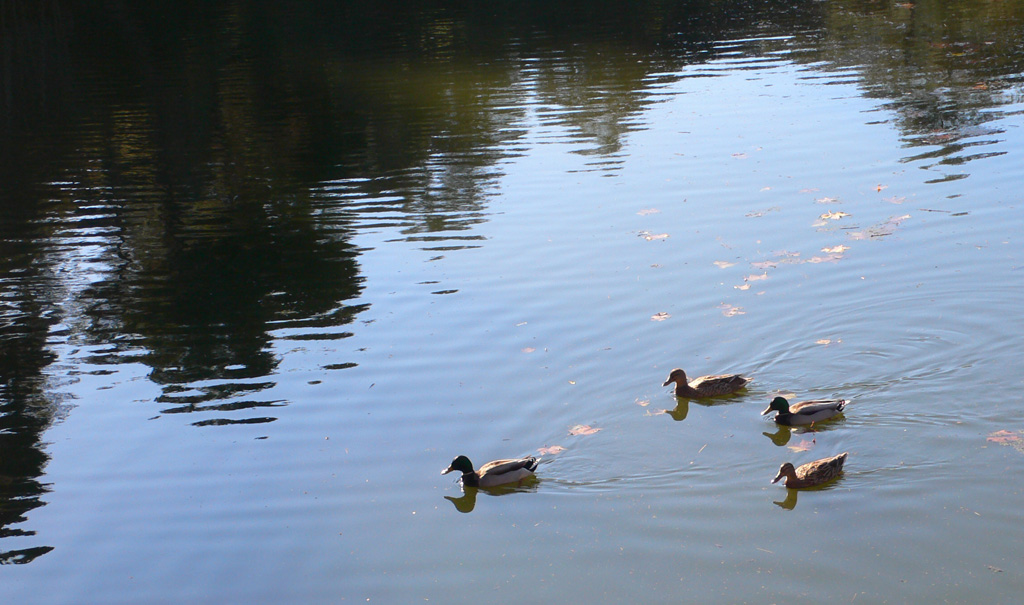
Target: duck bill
[(767, 410), (666, 383), (777, 477), (447, 470)]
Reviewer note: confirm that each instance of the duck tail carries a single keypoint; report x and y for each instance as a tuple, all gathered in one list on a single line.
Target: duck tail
[(532, 463), (842, 404)]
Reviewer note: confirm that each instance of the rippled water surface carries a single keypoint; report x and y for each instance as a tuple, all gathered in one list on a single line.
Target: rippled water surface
[(263, 274)]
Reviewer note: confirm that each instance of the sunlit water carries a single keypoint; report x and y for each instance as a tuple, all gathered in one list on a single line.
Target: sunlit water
[(754, 210)]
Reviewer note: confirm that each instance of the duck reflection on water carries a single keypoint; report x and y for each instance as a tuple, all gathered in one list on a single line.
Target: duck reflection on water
[(467, 501)]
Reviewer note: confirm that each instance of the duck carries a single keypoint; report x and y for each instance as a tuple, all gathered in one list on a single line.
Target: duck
[(812, 473), (497, 472), (705, 386), (804, 412)]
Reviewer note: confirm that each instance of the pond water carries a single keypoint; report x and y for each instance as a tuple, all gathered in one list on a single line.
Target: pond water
[(266, 272)]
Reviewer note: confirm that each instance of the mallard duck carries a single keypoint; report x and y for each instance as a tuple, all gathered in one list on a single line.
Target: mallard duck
[(804, 412), (705, 386), (812, 473), (498, 472)]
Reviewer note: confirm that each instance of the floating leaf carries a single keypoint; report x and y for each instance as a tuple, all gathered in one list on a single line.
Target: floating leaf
[(809, 190), (831, 258), (756, 277), (583, 429), (743, 287), (647, 235), (643, 402), (740, 156), (723, 264), (833, 216), (881, 187), (551, 449), (647, 211), (1003, 437), (836, 249), (882, 229), (803, 446), (827, 200), (1007, 438), (757, 213), (896, 199), (764, 265), (731, 310), (660, 316), (528, 349)]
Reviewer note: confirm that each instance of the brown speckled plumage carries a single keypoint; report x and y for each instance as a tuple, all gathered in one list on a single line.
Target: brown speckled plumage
[(812, 473), (705, 386)]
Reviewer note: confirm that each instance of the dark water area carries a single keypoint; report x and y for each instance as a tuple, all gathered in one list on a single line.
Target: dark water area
[(332, 223)]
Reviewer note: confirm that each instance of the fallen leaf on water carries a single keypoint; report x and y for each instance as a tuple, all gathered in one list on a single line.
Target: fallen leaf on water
[(764, 265), (647, 211), (743, 287), (809, 190), (881, 187), (551, 449), (803, 446), (756, 277), (660, 316), (880, 230), (731, 310), (823, 341), (1003, 437), (740, 156), (831, 258), (836, 249), (643, 402), (528, 349), (653, 236), (583, 429), (993, 569), (833, 216), (757, 213), (827, 200), (1008, 438), (896, 199), (723, 264)]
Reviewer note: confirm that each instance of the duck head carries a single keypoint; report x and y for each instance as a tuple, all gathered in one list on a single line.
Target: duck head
[(779, 404), (677, 376), (786, 470), (459, 463)]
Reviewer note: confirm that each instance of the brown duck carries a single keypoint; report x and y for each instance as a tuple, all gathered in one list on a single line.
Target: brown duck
[(705, 386), (812, 473)]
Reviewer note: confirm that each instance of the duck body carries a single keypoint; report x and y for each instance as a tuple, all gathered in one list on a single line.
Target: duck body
[(496, 472), (812, 473), (705, 386), (804, 412)]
